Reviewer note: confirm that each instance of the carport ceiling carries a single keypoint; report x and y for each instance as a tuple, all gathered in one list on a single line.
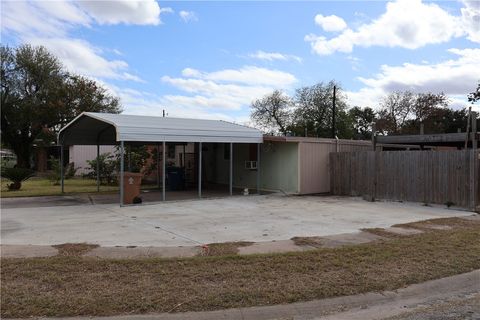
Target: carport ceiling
[(105, 128)]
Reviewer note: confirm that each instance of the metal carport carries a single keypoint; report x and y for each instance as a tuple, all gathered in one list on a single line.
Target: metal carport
[(117, 129)]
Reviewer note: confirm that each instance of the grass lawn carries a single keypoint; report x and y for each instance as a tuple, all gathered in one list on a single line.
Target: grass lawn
[(70, 286), (43, 187)]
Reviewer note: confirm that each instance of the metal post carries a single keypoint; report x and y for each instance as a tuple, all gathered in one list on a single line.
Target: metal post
[(163, 170), (122, 167), (473, 163), (158, 165), (258, 168), (98, 167), (200, 170), (334, 129), (61, 169), (231, 168)]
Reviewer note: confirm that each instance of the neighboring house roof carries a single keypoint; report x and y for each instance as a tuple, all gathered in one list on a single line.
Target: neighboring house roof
[(436, 139), (107, 128)]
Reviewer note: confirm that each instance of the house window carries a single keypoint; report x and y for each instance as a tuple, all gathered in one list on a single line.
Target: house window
[(226, 151)]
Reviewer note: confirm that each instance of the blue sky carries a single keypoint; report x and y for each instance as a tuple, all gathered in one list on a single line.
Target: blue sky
[(211, 59)]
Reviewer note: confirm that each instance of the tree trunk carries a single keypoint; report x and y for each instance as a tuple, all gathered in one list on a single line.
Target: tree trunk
[(23, 152)]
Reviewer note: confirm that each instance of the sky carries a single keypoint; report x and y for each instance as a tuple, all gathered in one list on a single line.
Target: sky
[(212, 59)]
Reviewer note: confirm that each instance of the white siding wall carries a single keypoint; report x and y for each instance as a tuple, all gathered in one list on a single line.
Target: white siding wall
[(80, 154)]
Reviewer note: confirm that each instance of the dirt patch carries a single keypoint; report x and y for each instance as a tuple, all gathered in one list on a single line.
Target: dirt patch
[(223, 249), (384, 233), (315, 242), (80, 286), (74, 249)]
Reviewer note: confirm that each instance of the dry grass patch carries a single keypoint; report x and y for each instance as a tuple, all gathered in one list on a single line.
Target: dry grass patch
[(74, 249), (38, 186), (78, 286), (431, 224), (224, 248)]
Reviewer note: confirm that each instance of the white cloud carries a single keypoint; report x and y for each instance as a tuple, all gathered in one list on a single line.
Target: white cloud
[(354, 62), (188, 16), (48, 23), (408, 24), (330, 23), (455, 77), (141, 12), (271, 56), (145, 103), (226, 89), (451, 76), (471, 19), (249, 75), (81, 57), (40, 18)]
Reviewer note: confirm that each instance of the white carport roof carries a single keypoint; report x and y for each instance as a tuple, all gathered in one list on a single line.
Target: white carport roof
[(105, 128)]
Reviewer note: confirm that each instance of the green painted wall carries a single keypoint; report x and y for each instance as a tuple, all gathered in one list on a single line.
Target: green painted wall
[(279, 167)]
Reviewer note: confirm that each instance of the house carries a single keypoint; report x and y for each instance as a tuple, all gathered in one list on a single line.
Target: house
[(213, 155)]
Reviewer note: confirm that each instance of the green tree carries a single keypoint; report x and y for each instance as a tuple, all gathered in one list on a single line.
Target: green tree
[(362, 120), (314, 111), (475, 95), (37, 94)]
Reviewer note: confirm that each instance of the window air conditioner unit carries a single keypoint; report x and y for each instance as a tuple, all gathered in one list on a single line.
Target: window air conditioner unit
[(251, 165)]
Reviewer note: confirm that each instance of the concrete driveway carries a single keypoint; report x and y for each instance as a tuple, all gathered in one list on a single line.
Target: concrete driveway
[(187, 223)]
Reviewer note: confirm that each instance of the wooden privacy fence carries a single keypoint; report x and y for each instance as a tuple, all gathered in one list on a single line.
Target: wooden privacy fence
[(419, 176)]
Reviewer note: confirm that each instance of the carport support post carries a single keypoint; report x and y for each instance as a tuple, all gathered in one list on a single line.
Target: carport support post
[(258, 168), (199, 169), (122, 167), (98, 167), (163, 170), (231, 168), (473, 163), (61, 169)]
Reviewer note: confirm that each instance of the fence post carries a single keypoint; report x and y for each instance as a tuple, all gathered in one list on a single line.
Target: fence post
[(374, 173), (473, 162)]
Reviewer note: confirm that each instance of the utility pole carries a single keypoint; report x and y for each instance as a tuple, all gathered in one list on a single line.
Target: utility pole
[(468, 126), (164, 113), (334, 133)]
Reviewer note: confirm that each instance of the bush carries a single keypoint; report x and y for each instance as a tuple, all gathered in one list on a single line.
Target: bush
[(55, 175), (107, 168), (137, 159), (70, 170), (16, 176)]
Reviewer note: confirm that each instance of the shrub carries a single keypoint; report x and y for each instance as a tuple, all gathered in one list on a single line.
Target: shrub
[(16, 176), (70, 170), (55, 175), (107, 166), (137, 159)]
